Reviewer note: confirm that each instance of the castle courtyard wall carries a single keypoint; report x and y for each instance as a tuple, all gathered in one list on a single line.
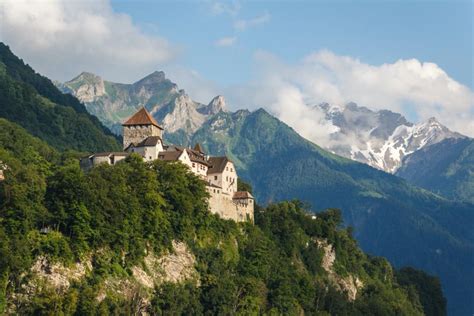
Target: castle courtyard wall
[(222, 204)]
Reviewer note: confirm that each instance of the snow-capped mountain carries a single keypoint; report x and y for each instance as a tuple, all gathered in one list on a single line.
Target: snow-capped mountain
[(379, 138)]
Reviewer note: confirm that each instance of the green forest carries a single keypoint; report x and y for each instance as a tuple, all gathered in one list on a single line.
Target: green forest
[(33, 102), (114, 216)]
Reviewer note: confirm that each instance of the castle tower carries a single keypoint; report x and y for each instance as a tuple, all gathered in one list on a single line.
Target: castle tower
[(139, 127)]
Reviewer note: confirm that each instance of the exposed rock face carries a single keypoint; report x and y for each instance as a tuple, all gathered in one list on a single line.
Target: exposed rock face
[(181, 113), (215, 106), (92, 87), (380, 139), (174, 267), (349, 284), (114, 102), (45, 275), (57, 275)]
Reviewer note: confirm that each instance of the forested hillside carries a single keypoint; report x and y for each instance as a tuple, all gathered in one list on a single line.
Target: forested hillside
[(446, 168), (33, 102), (406, 224), (137, 237)]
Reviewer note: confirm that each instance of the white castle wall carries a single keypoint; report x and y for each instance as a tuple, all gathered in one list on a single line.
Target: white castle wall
[(222, 204)]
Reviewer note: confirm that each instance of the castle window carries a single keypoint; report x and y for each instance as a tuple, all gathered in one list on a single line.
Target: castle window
[(194, 165), (215, 177)]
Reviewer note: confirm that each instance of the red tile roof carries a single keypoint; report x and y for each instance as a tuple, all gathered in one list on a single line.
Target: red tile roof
[(142, 117)]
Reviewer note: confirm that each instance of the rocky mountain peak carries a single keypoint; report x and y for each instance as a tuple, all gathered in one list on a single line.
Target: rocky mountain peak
[(155, 77), (86, 77), (86, 86), (215, 106), (379, 138)]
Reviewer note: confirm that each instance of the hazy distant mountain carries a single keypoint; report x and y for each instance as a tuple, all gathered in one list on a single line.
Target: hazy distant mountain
[(380, 139), (113, 102), (446, 168)]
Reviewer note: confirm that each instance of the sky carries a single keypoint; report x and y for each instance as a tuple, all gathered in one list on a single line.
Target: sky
[(412, 57)]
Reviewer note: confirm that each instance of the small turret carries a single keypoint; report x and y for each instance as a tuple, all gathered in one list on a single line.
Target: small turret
[(198, 148)]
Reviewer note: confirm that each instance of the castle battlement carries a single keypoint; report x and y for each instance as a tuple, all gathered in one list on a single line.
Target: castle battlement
[(143, 135)]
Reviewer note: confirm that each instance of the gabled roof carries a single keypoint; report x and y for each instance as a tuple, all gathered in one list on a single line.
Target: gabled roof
[(217, 164), (142, 117), (242, 195), (194, 155), (149, 141), (171, 155)]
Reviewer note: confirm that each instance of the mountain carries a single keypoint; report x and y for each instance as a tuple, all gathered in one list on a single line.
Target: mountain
[(113, 102), (137, 239), (446, 168), (408, 225), (35, 103), (380, 139)]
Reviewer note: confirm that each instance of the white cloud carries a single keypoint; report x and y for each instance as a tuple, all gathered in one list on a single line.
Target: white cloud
[(242, 25), (196, 86), (226, 41), (225, 7), (61, 38), (405, 86)]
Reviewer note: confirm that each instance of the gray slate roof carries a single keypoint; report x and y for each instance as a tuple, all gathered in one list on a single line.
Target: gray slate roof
[(149, 141), (217, 164), (171, 155)]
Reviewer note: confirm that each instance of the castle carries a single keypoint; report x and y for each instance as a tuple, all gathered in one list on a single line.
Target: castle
[(144, 136)]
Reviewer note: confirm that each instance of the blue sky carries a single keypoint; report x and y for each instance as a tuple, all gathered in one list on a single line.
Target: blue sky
[(411, 57), (376, 32)]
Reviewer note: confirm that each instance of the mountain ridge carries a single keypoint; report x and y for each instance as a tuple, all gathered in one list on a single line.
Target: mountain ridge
[(387, 213), (379, 138), (35, 103), (113, 102)]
